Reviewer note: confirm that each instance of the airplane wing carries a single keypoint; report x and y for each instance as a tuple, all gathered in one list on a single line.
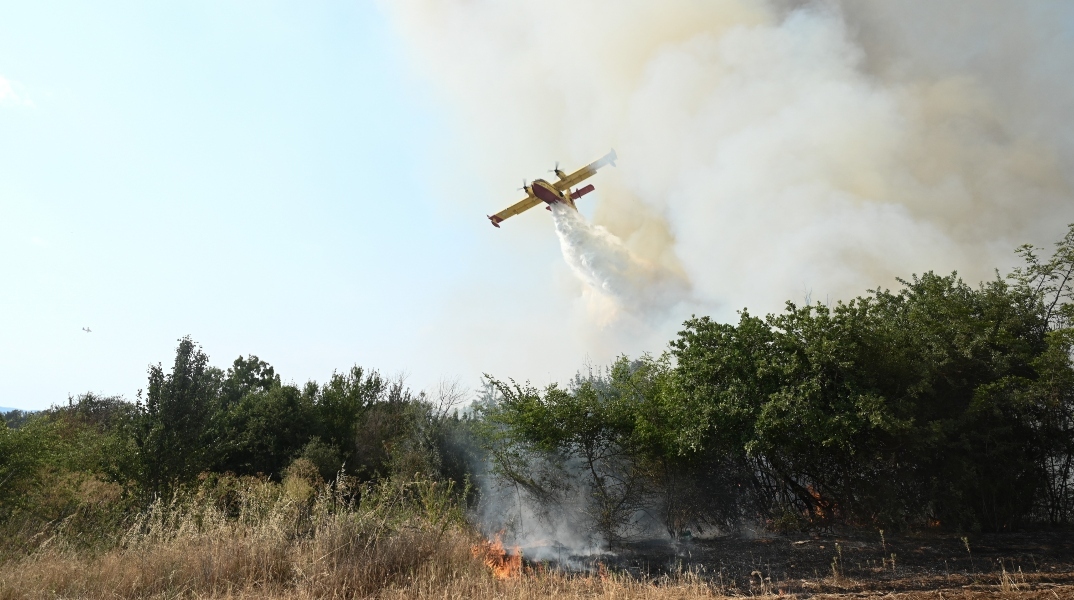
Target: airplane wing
[(585, 172), (514, 209)]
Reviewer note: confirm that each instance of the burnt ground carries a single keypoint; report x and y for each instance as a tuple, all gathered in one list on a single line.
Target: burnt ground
[(803, 565)]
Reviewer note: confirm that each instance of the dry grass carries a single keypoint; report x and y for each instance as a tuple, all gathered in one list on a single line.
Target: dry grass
[(267, 539), (296, 540), (251, 538)]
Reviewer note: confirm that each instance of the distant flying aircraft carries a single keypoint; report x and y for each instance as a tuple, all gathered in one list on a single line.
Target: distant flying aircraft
[(550, 193), (86, 329)]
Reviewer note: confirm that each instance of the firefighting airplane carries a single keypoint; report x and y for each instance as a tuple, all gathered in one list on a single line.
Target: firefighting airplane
[(550, 193)]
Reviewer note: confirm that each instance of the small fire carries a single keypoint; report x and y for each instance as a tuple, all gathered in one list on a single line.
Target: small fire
[(504, 565), (602, 571)]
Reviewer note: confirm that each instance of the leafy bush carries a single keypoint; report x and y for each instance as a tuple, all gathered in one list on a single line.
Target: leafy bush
[(937, 403)]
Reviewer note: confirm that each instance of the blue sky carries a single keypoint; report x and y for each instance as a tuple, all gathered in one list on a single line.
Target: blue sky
[(250, 174)]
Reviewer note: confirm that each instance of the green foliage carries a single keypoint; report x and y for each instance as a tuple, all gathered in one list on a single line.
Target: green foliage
[(80, 471), (16, 418), (384, 433), (246, 422), (324, 457), (342, 401), (23, 453), (892, 408), (1050, 283), (172, 432), (88, 436), (247, 375), (64, 472), (263, 430), (937, 403), (612, 439)]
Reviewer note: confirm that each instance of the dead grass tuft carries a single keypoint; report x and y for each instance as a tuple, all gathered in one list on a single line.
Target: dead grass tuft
[(272, 539)]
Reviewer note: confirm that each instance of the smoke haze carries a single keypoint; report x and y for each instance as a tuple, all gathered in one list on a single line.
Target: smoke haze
[(768, 150), (770, 147)]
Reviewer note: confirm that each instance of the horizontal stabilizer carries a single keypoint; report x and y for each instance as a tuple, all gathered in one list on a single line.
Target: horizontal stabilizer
[(578, 193)]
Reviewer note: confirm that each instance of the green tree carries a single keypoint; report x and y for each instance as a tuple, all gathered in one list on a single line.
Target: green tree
[(173, 422), (246, 375), (342, 401), (867, 411), (264, 430), (1050, 282)]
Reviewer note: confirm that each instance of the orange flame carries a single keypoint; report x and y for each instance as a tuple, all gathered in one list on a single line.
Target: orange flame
[(602, 571), (503, 564)]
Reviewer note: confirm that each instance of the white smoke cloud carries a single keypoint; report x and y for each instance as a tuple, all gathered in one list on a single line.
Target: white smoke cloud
[(777, 151), (767, 150)]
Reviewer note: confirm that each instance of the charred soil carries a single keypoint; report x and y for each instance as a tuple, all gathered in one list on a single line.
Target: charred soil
[(1013, 564)]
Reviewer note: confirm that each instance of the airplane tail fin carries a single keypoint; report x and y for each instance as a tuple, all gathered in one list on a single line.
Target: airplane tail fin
[(495, 221)]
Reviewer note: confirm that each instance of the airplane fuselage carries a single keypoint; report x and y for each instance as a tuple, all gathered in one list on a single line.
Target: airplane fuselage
[(549, 194)]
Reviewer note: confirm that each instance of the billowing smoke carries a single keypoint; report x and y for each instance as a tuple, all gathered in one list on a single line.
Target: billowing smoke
[(768, 151)]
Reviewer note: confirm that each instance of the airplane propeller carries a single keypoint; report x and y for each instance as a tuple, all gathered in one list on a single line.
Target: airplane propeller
[(524, 186)]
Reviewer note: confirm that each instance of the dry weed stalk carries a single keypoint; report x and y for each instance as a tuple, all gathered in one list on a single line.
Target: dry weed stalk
[(1008, 582)]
